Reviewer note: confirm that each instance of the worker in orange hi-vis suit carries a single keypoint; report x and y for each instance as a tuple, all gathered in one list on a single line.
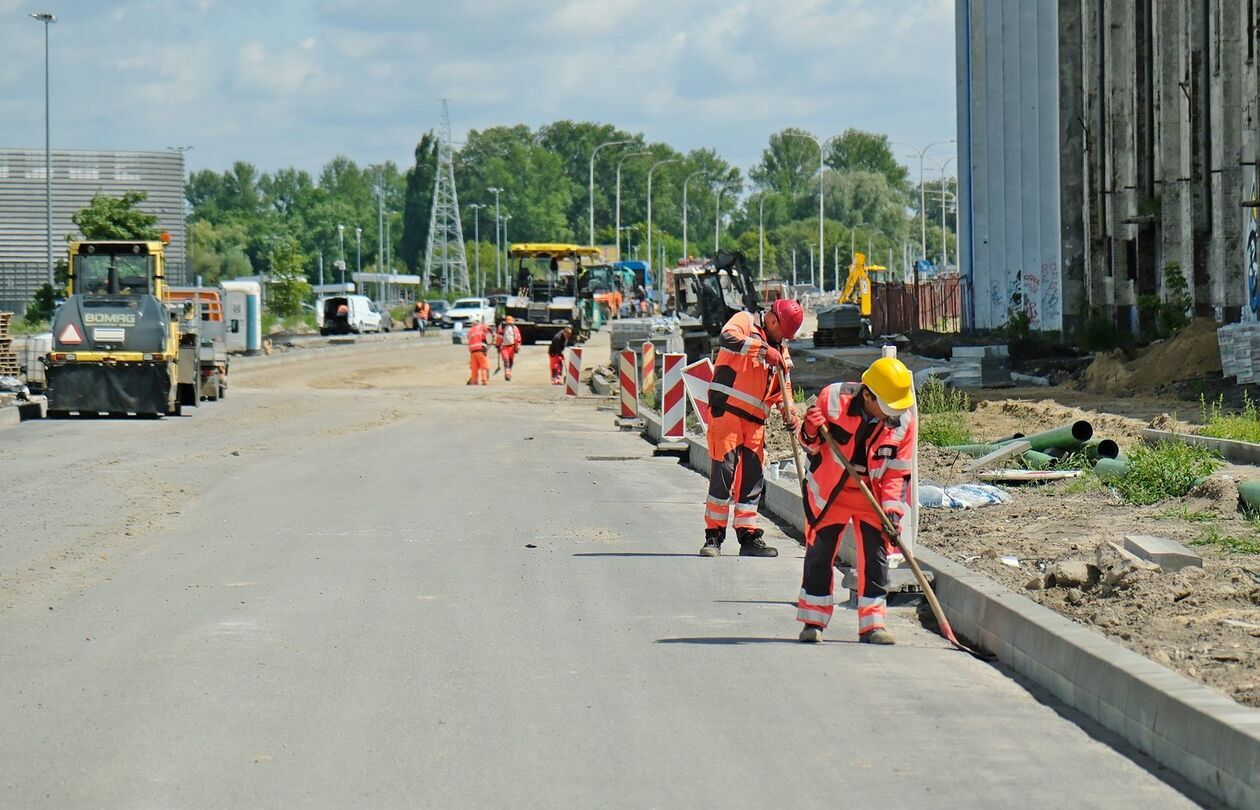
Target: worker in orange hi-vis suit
[(743, 390), (478, 353), (509, 340), (874, 426)]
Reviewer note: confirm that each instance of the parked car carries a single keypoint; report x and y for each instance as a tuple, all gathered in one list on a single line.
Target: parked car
[(465, 309), (344, 314)]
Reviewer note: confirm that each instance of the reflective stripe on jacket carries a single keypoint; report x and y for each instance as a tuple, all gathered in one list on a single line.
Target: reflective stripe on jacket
[(478, 336), (510, 336), (743, 383), (881, 449)]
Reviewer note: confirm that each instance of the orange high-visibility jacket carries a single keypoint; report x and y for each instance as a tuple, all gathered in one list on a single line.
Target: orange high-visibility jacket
[(478, 337), (881, 449), (743, 383), (510, 336)]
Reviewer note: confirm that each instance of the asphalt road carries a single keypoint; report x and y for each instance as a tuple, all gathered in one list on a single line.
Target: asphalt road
[(358, 583)]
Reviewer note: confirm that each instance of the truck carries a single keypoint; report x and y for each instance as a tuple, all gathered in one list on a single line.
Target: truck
[(708, 295), (547, 293), (116, 343), (212, 354)]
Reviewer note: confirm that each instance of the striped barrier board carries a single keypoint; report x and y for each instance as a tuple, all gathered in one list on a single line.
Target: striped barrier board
[(572, 371), (673, 397), (628, 374), (647, 376), (696, 379)]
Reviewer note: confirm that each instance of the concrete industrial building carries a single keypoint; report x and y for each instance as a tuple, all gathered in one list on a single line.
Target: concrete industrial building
[(76, 177), (1103, 142)]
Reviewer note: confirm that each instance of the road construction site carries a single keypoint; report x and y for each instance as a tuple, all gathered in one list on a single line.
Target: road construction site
[(357, 581)]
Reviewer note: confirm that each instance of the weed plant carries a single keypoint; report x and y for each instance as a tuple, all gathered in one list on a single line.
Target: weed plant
[(1166, 470)]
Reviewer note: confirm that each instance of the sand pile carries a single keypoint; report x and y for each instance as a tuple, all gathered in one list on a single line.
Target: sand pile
[(1193, 353)]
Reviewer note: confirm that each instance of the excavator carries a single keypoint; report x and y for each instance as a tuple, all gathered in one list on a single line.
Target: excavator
[(117, 338), (849, 322)]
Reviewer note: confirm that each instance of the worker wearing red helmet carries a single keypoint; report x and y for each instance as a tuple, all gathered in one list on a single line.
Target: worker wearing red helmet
[(741, 396), (873, 424)]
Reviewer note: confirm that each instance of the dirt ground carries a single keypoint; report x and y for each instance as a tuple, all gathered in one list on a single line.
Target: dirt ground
[(1204, 623)]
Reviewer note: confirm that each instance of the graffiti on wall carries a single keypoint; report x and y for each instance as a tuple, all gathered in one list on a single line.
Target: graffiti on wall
[(1251, 250)]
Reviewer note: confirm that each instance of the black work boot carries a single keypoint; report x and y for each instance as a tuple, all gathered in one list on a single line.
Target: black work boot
[(751, 544), (712, 542)]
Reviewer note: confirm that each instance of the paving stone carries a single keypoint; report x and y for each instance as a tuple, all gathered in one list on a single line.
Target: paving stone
[(1169, 555)]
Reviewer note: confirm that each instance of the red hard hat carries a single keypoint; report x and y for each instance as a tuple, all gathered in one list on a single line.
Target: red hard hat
[(790, 316)]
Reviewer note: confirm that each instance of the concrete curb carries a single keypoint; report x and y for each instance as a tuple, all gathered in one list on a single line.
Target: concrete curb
[(1208, 739), (1230, 450)]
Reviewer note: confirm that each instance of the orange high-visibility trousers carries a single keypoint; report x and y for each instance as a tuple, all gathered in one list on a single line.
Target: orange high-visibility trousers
[(736, 455), (479, 368), (816, 603), (557, 369)]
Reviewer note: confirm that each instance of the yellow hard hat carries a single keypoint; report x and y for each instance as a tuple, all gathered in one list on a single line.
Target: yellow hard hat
[(892, 384)]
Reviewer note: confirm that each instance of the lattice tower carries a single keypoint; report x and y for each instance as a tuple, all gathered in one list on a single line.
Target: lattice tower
[(445, 253)]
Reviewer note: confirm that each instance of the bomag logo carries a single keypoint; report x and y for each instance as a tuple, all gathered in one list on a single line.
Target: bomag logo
[(109, 319)]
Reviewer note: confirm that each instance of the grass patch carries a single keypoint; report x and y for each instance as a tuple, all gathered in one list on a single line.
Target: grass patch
[(1213, 536), (1166, 470), (934, 397), (1182, 513), (1218, 423), (21, 326), (945, 429), (1084, 483)]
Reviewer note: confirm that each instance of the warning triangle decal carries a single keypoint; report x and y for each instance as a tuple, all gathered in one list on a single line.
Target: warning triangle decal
[(70, 335)]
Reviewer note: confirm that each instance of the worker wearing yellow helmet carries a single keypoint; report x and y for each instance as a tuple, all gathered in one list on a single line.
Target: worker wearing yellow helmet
[(874, 425)]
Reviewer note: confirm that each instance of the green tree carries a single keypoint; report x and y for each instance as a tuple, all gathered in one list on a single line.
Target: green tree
[(787, 164), (108, 217), (418, 204), (860, 151), (288, 287), (536, 192), (573, 143)]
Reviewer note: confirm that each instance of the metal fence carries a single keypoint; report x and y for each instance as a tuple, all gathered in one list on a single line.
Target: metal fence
[(939, 306)]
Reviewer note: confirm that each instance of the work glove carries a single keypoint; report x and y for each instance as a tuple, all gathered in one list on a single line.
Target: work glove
[(814, 422), (774, 357), (791, 419)]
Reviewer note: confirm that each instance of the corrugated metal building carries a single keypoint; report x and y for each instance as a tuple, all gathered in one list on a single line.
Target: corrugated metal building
[(76, 177), (1103, 142)]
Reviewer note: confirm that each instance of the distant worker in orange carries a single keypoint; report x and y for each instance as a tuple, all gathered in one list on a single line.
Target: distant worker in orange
[(555, 354), (478, 353), (743, 390), (509, 340), (422, 314)]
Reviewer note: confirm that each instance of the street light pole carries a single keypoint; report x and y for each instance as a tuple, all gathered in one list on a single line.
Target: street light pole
[(822, 170), (650, 254), (358, 250), (717, 220), (922, 193), (498, 275), (341, 243), (591, 183), (761, 235), (476, 209), (685, 254), (623, 159), (47, 18)]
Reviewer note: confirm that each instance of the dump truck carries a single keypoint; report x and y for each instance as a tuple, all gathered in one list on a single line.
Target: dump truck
[(546, 287), (212, 356), (116, 339), (706, 296)]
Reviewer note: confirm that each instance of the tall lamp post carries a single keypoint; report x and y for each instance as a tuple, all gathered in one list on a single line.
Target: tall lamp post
[(922, 217), (47, 18), (591, 183), (358, 250), (654, 167), (761, 235), (617, 224), (717, 220), (476, 209), (341, 244), (942, 167), (685, 182), (503, 221), (822, 171), (498, 277)]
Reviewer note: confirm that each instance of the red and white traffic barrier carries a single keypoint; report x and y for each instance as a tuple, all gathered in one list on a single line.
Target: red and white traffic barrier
[(647, 375), (673, 397), (696, 379), (572, 371), (628, 374)]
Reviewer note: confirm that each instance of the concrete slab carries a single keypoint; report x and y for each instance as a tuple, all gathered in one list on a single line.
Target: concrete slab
[(1169, 555)]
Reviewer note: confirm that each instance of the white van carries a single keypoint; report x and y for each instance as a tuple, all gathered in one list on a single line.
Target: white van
[(343, 314)]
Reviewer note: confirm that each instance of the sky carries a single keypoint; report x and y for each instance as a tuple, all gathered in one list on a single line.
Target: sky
[(284, 83)]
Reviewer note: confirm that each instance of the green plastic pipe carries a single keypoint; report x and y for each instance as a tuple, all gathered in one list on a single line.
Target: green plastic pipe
[(1111, 469), (973, 450), (1094, 449), (1249, 494), (1034, 460), (1008, 439), (1068, 437)]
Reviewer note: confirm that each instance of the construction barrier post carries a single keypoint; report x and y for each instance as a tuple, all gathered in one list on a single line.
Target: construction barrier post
[(572, 371), (696, 379), (647, 377), (673, 397), (628, 376)]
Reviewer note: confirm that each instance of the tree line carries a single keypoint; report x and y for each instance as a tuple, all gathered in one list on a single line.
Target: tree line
[(239, 215)]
